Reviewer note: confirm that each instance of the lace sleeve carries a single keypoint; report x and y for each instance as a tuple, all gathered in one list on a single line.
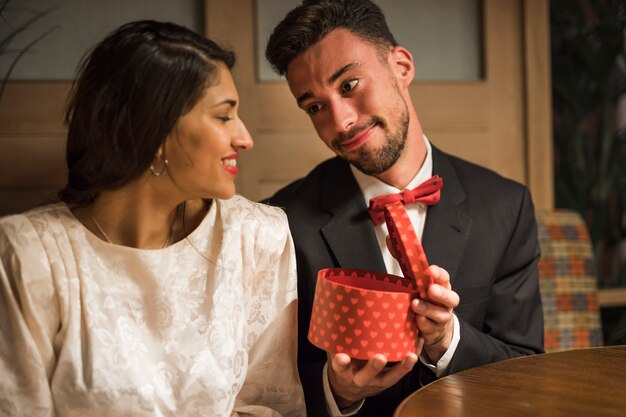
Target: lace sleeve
[(272, 386), (28, 311)]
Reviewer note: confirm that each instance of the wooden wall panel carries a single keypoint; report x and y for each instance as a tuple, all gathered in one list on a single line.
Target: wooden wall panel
[(35, 107), (32, 160), (540, 177), (32, 144)]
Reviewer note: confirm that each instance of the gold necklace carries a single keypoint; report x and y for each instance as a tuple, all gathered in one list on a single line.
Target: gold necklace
[(167, 241), (206, 208)]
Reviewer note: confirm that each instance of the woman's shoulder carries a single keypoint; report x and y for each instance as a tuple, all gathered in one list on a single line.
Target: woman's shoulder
[(259, 211), (37, 219), (29, 235), (255, 218)]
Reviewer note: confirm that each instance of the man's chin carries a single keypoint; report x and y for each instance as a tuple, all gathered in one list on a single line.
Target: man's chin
[(369, 168)]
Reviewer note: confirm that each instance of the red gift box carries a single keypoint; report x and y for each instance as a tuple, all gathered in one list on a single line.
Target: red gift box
[(362, 313)]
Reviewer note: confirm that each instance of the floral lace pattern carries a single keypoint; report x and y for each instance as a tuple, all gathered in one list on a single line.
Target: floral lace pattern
[(205, 327)]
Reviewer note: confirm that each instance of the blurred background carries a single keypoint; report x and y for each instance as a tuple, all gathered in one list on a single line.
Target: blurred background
[(534, 89)]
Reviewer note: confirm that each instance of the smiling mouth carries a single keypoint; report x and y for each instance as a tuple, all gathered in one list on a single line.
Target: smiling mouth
[(230, 164), (357, 139)]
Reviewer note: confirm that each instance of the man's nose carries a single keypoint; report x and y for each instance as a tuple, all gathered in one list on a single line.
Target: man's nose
[(343, 115)]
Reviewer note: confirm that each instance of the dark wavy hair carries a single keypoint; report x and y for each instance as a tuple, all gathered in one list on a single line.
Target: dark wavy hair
[(130, 90), (310, 22)]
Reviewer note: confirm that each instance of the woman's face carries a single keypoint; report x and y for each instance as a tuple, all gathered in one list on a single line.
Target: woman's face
[(202, 148)]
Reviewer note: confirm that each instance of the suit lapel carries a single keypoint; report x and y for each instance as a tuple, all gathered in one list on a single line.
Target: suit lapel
[(349, 233), (447, 224)]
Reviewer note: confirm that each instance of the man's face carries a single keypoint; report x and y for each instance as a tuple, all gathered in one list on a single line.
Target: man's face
[(352, 95)]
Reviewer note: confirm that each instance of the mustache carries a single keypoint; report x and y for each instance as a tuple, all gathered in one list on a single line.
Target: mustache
[(345, 136)]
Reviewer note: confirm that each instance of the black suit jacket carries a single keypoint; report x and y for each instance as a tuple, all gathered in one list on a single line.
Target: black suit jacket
[(482, 231)]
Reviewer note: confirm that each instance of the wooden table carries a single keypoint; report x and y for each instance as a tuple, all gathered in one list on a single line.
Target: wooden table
[(575, 383)]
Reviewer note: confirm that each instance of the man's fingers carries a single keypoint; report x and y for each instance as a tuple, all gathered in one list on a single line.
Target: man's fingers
[(352, 380), (426, 326), (340, 362), (430, 312), (419, 346), (440, 276), (435, 312), (370, 371), (443, 296), (393, 375)]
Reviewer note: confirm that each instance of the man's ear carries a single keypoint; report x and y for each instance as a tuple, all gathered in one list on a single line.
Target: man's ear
[(401, 62)]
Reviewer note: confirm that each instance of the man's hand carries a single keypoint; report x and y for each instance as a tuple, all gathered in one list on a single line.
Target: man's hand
[(434, 315), (352, 380)]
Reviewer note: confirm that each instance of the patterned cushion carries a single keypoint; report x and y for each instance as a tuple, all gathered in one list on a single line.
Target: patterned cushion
[(568, 282)]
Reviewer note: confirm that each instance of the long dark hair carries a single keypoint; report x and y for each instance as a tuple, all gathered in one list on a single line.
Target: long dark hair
[(130, 91), (310, 22)]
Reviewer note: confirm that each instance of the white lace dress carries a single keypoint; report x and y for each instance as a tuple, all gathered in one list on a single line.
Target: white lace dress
[(205, 327)]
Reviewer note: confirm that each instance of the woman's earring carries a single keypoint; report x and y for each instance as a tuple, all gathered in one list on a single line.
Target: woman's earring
[(155, 172)]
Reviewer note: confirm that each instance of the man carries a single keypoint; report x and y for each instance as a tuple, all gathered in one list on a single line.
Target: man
[(348, 73)]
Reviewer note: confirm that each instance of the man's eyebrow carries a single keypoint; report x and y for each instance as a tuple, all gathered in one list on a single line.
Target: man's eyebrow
[(330, 80), (303, 97), (340, 72)]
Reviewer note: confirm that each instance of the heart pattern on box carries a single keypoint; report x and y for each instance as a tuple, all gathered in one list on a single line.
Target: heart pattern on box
[(363, 313)]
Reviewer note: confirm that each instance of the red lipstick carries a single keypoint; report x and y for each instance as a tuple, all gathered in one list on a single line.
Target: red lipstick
[(230, 164)]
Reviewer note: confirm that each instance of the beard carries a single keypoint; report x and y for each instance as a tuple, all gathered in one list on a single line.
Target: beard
[(377, 161)]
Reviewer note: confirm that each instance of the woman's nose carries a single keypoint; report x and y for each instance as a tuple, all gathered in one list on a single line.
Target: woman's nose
[(242, 138)]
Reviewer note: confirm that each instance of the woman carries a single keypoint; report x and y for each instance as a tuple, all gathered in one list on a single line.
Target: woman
[(152, 290)]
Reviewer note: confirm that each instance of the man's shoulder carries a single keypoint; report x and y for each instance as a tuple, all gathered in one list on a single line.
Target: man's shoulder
[(477, 179)]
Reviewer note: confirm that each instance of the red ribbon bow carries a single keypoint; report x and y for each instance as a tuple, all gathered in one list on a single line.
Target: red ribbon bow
[(427, 192)]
